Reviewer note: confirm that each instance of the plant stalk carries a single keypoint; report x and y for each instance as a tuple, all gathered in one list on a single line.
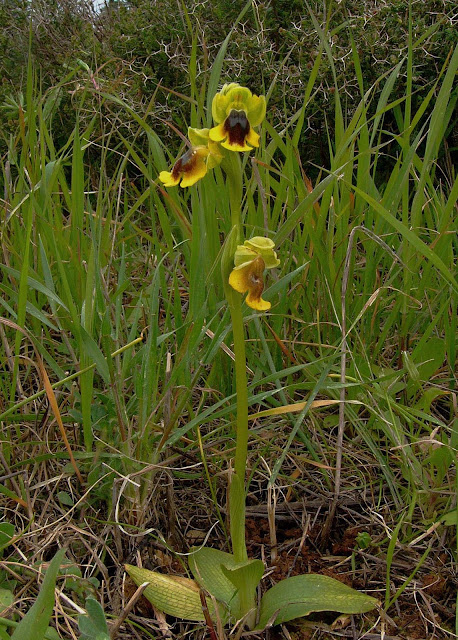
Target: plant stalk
[(234, 180)]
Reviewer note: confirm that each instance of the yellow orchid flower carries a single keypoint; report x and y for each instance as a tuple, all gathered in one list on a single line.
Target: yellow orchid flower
[(236, 111), (204, 154), (250, 260), (188, 169)]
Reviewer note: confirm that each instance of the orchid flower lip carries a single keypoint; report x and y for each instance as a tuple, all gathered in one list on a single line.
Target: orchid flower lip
[(237, 127), (184, 164), (188, 169), (247, 278)]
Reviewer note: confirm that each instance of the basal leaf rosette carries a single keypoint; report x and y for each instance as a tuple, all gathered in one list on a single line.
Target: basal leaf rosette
[(236, 111), (247, 276), (203, 155)]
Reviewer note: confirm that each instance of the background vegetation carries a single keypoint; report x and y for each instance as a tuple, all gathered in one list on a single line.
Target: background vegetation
[(116, 390), (139, 50)]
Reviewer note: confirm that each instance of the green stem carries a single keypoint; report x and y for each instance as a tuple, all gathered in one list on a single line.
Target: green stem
[(233, 171), (237, 489)]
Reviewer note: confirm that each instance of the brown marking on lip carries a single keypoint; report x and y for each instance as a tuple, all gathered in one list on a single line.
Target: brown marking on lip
[(255, 277), (237, 127), (185, 164)]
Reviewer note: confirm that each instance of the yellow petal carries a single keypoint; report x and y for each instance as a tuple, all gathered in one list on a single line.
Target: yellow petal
[(259, 243), (235, 146), (190, 168), (244, 254), (238, 280), (218, 133), (259, 304), (234, 97), (253, 138), (168, 180)]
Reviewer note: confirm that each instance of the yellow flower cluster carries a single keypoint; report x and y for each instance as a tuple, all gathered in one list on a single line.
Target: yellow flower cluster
[(235, 111)]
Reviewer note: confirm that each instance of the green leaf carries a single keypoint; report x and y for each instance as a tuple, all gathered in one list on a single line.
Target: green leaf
[(94, 353), (246, 577), (35, 623), (6, 534), (6, 598), (245, 574), (206, 566), (228, 581), (33, 283), (300, 595), (450, 519), (65, 498), (283, 283), (430, 358), (4, 634), (50, 634), (174, 595), (93, 626)]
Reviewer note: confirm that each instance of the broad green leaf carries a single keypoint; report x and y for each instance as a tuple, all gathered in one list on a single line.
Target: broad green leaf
[(206, 566), (173, 595), (35, 622), (93, 626), (5, 623), (51, 634), (427, 398), (301, 595)]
